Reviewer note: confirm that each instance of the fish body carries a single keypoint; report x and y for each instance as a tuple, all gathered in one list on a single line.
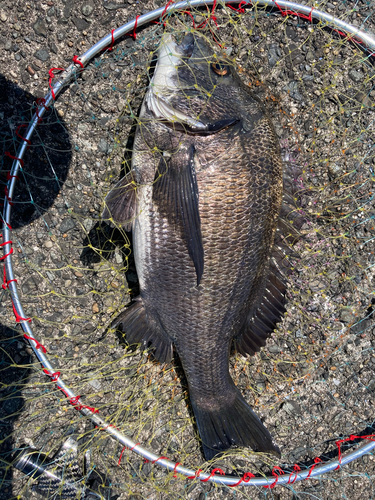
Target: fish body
[(203, 199)]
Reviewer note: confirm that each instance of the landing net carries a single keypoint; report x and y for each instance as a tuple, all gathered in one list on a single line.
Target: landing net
[(313, 384)]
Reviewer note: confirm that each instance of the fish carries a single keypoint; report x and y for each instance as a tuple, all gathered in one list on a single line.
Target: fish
[(205, 200)]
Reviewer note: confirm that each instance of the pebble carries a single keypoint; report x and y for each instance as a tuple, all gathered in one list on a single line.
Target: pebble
[(95, 307), (103, 145), (3, 17), (67, 283), (87, 9), (81, 24), (292, 88), (273, 55), (48, 244), (60, 113), (292, 408), (67, 224), (78, 274), (50, 275), (42, 55), (356, 76), (40, 27)]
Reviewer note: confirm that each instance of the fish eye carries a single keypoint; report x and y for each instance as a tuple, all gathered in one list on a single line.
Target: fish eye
[(220, 68)]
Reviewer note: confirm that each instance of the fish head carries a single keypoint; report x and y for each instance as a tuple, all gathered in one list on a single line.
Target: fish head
[(195, 88)]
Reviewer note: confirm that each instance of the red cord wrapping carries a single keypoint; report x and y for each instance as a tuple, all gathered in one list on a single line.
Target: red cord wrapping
[(40, 101), (276, 472), (316, 462), (296, 469), (77, 61), (112, 41), (10, 251), (20, 136), (292, 13), (220, 471), (14, 158), (245, 479), (134, 34), (9, 199), (174, 469), (51, 77), (6, 282), (54, 376), (239, 9), (370, 437), (160, 458)]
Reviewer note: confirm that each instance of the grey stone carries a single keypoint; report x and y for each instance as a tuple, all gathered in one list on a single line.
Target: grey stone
[(68, 7), (108, 19), (40, 27), (50, 275), (81, 24), (53, 47), (298, 453), (356, 76), (51, 11), (293, 90), (273, 55), (275, 349), (113, 6), (292, 408), (87, 9), (103, 145), (67, 224), (310, 56), (346, 315), (42, 55), (17, 57)]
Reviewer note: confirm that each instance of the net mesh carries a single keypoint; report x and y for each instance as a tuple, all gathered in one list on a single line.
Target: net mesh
[(313, 383)]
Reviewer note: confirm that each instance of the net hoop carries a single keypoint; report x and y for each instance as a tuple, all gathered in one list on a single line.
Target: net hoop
[(64, 79)]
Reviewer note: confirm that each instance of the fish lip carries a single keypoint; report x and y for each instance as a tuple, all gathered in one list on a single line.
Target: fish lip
[(163, 83), (186, 47)]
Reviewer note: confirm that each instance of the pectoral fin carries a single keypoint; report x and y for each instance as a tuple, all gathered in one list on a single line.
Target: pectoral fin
[(120, 202), (176, 195)]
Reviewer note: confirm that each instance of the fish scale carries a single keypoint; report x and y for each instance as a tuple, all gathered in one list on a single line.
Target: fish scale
[(203, 200)]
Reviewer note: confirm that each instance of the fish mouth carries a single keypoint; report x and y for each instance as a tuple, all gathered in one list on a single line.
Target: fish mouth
[(165, 83)]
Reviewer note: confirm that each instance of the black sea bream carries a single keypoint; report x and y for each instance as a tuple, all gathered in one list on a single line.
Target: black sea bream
[(203, 199)]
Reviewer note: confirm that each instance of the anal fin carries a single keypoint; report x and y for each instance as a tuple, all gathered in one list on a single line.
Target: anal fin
[(141, 328)]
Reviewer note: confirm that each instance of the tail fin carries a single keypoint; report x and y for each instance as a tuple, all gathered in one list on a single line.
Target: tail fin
[(235, 424)]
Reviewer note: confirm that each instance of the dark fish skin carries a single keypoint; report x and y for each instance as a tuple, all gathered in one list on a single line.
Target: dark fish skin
[(204, 207)]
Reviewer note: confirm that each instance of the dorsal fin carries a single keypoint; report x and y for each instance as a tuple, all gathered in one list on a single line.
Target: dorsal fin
[(259, 325)]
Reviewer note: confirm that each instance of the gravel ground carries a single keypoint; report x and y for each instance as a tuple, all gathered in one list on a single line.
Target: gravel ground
[(314, 383)]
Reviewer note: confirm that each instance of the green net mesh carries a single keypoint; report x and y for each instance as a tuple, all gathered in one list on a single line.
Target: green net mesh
[(314, 381)]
